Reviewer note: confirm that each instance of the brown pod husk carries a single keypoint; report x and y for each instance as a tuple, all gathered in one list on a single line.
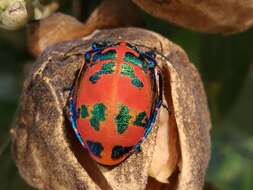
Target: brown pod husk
[(211, 16), (49, 157), (51, 30), (59, 27)]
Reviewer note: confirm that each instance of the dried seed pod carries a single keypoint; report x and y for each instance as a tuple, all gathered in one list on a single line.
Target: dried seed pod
[(114, 13), (49, 157), (53, 29), (16, 13), (13, 14), (59, 27), (212, 16)]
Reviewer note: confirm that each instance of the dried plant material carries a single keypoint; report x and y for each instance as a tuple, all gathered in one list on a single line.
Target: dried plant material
[(13, 14), (155, 185), (112, 14), (59, 27), (49, 157), (192, 118), (55, 28), (212, 16), (165, 156), (16, 13), (41, 11)]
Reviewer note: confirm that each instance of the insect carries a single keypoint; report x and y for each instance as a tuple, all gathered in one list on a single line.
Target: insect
[(114, 100)]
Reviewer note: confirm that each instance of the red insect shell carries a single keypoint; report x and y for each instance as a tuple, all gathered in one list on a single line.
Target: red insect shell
[(114, 99)]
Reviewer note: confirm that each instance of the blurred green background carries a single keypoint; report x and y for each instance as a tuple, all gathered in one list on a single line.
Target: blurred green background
[(226, 66)]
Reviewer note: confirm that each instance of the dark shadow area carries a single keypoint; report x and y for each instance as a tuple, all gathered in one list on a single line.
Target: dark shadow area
[(153, 184)]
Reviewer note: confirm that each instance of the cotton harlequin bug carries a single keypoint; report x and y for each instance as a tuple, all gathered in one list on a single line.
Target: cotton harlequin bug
[(114, 100)]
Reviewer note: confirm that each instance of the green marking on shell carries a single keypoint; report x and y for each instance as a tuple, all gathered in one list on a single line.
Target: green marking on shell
[(84, 111), (129, 57), (127, 70), (122, 119), (139, 119), (98, 115), (136, 82), (94, 78), (108, 55), (106, 68)]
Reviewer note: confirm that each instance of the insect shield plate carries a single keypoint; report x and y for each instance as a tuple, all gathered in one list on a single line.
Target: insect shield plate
[(115, 100)]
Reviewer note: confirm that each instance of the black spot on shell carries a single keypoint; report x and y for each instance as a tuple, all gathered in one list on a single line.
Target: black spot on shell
[(95, 147), (119, 151)]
